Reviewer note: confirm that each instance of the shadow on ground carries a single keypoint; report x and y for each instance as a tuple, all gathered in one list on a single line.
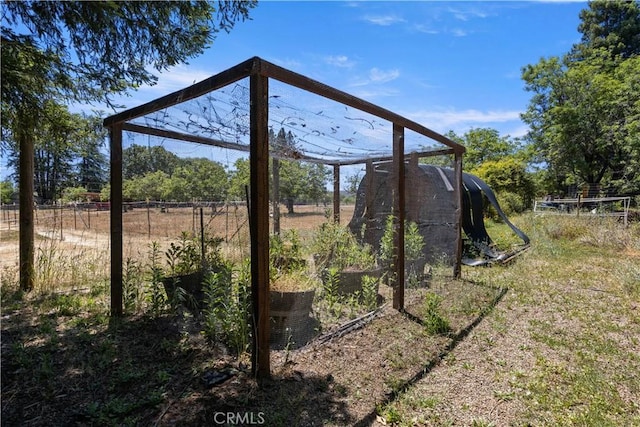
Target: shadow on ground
[(67, 367), (63, 365), (456, 338)]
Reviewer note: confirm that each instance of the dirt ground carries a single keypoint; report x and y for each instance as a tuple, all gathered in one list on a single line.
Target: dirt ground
[(335, 381), (141, 226), (63, 364)]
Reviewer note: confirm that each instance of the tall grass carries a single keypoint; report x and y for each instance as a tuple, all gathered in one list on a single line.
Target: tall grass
[(61, 266)]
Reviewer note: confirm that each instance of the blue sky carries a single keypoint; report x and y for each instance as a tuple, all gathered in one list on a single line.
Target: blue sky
[(447, 65)]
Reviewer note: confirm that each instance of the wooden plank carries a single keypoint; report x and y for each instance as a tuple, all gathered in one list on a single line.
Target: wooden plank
[(379, 159), (217, 81), (26, 202), (180, 136), (259, 209), (116, 219), (399, 215), (336, 194)]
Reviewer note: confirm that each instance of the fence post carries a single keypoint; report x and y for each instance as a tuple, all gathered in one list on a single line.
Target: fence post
[(148, 219), (578, 206), (61, 222)]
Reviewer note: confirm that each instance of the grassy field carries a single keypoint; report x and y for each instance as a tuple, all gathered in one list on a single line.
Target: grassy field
[(561, 348), (552, 338)]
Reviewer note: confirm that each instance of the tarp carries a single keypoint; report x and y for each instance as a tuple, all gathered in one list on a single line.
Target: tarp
[(430, 203), (473, 221)]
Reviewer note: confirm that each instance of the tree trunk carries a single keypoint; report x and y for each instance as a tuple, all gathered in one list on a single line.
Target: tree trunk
[(26, 209)]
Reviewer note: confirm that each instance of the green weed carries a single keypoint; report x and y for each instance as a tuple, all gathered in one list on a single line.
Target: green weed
[(434, 322), (226, 312), (157, 297)]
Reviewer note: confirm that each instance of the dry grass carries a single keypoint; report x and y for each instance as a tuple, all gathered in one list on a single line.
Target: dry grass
[(550, 339), (562, 346)]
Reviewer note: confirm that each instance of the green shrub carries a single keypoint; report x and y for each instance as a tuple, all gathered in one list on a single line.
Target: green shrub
[(435, 323), (226, 315)]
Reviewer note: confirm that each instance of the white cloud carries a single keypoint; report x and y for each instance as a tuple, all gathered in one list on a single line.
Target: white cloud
[(380, 76), (454, 119), (519, 131), (421, 28), (341, 61), (465, 15), (177, 78), (376, 76), (459, 32), (384, 20), (375, 93)]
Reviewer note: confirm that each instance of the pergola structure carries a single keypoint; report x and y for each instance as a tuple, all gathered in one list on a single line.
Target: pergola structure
[(236, 109)]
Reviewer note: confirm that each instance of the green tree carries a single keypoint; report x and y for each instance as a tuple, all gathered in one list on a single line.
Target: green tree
[(73, 194), (298, 179), (613, 26), (53, 162), (205, 179), (6, 191), (138, 160), (484, 144), (353, 182), (571, 132), (292, 182), (91, 163), (66, 152), (239, 179), (96, 49), (318, 175), (105, 192), (625, 175), (89, 51), (509, 175), (584, 110), (153, 186), (177, 190)]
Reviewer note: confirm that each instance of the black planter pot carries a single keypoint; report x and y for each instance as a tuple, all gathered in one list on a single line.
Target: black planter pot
[(193, 285)]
